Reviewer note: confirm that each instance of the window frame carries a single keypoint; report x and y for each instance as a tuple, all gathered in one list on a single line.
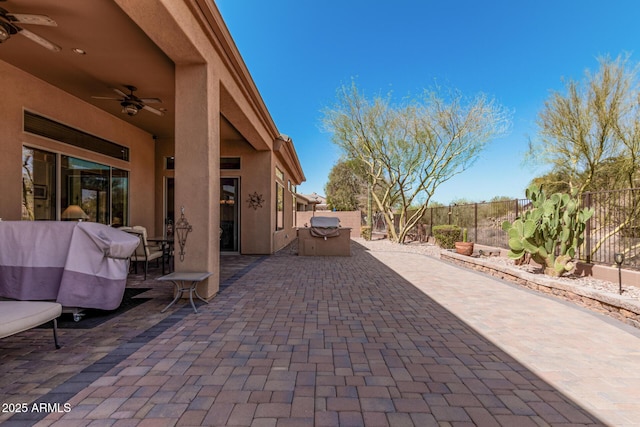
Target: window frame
[(58, 193)]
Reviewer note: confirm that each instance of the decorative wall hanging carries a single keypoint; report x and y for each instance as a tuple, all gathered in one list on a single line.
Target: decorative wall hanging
[(181, 229), (255, 200)]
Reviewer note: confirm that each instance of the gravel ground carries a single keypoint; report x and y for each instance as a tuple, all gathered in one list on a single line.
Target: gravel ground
[(434, 251)]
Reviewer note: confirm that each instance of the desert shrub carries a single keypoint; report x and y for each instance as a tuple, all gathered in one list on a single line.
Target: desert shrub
[(365, 232), (447, 235)]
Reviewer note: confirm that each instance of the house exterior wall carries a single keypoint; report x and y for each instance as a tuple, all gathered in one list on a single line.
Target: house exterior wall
[(239, 103), (211, 81), (21, 91), (255, 177)]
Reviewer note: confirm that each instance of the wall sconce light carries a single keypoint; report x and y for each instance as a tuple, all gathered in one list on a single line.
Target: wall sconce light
[(181, 229), (619, 259)]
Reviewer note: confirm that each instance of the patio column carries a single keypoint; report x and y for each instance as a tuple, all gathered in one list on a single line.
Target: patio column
[(197, 170)]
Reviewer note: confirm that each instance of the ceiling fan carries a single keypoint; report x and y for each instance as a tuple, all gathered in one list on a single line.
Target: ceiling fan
[(131, 104), (11, 23)]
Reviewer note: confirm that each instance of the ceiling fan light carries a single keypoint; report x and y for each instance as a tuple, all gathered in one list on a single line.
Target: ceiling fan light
[(4, 33), (129, 109)]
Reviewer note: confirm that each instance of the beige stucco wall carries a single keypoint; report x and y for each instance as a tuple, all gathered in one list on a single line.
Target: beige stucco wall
[(309, 245), (22, 91), (179, 34), (210, 80), (254, 176)]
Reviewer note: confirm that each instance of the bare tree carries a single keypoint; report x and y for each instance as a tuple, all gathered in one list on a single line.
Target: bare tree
[(410, 149)]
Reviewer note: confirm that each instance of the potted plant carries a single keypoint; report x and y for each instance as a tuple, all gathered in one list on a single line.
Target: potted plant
[(465, 247)]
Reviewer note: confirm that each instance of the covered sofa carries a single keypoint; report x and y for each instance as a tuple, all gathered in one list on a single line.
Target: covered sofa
[(77, 264)]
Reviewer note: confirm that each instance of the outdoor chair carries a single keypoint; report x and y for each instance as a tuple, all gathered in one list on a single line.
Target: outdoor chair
[(144, 252)]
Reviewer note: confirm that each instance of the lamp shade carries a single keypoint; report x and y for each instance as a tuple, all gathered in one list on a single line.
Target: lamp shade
[(74, 212)]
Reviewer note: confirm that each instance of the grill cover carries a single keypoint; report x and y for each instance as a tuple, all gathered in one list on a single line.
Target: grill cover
[(325, 222), (325, 226)]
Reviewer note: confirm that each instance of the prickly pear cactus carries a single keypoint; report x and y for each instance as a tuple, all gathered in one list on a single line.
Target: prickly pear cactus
[(551, 231)]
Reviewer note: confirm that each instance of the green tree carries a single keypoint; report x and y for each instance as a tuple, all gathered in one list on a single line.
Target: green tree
[(553, 182), (346, 188), (590, 135), (409, 149)]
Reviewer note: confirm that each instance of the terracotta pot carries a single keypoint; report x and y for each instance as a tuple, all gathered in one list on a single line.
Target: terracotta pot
[(464, 248)]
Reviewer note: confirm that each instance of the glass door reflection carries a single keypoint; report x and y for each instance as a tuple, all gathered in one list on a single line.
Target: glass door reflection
[(229, 213)]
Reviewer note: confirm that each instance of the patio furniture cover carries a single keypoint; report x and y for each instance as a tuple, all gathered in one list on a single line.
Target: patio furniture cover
[(325, 226), (78, 264)]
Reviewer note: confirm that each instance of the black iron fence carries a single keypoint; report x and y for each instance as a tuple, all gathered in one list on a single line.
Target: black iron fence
[(614, 227), (483, 221)]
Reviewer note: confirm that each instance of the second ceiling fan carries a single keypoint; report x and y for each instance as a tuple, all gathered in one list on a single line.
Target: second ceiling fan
[(131, 104)]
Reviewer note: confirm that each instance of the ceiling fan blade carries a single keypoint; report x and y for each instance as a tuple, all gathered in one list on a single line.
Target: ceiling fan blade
[(153, 110), (151, 100), (25, 18), (119, 92), (106, 97), (40, 40)]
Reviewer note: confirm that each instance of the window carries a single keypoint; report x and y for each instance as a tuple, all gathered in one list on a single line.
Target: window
[(101, 191), (230, 163), (293, 210), (279, 206), (38, 125), (279, 199), (38, 184), (119, 197), (85, 184), (169, 163)]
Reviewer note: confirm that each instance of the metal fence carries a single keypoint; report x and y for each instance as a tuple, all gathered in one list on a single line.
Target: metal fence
[(614, 227), (483, 221)]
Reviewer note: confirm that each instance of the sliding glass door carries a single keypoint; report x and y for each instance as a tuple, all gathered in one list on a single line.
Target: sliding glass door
[(229, 215), (96, 192)]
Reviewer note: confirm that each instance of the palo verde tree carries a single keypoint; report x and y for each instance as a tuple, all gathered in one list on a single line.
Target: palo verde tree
[(590, 134), (409, 149)]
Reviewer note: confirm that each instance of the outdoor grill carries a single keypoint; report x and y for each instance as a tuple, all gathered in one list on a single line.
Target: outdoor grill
[(325, 226), (325, 237)]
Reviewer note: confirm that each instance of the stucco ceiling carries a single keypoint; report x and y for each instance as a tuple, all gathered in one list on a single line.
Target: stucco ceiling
[(118, 53)]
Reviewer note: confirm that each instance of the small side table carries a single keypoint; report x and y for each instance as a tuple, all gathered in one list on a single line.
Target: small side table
[(180, 279)]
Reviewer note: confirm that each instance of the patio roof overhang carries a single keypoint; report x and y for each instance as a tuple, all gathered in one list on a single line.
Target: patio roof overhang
[(137, 43)]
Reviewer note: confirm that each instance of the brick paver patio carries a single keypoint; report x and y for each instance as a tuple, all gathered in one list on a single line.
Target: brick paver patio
[(376, 339)]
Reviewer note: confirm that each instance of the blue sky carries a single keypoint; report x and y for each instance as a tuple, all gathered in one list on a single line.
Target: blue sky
[(299, 52)]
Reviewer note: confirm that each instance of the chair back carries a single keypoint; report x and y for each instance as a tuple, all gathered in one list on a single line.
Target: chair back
[(143, 249)]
